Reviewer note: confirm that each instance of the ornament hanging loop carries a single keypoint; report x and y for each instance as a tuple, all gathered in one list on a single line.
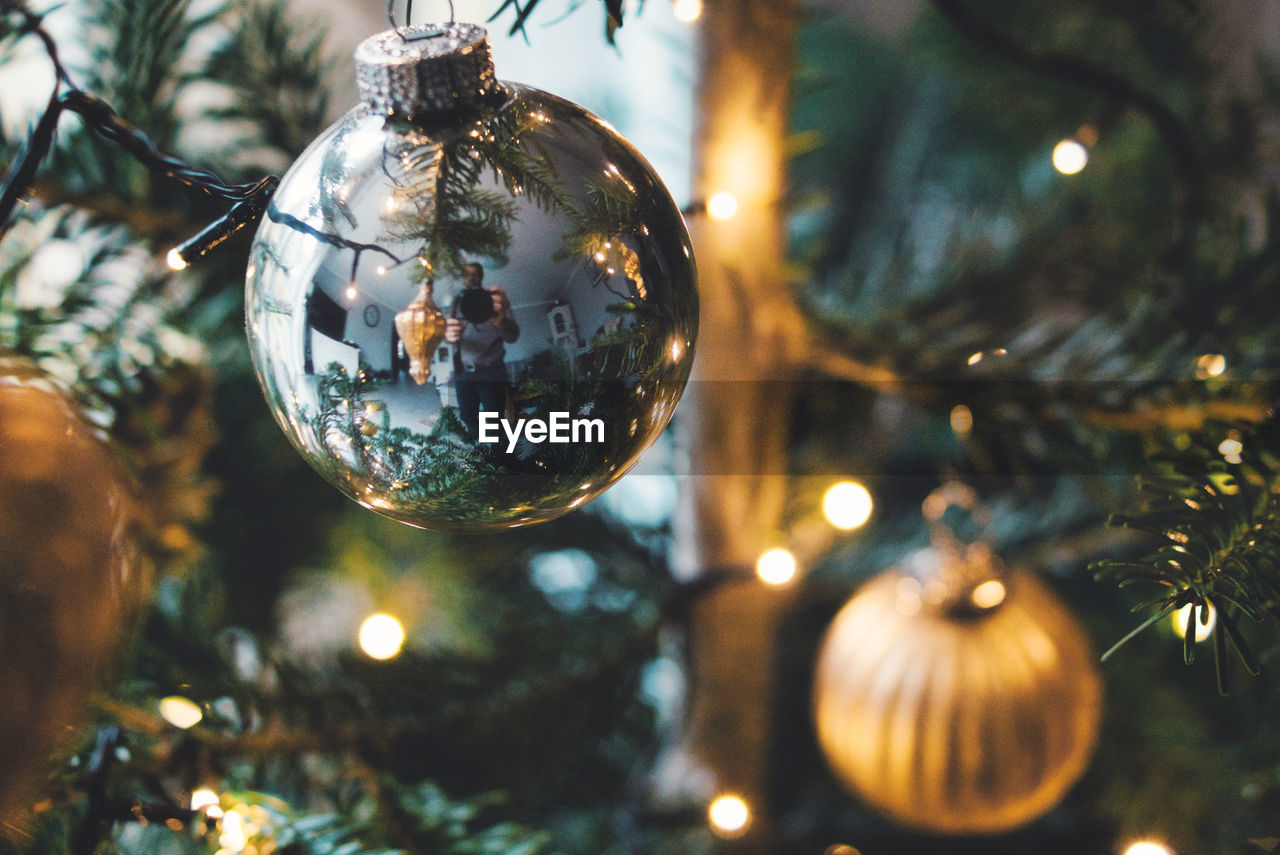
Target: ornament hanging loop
[(408, 17), (961, 579), (953, 494)]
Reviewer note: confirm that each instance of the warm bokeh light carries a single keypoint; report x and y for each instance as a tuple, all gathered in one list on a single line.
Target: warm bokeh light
[(180, 712), (722, 206), (1069, 157), (175, 260), (233, 837), (975, 358), (989, 594), (847, 505), (729, 815), (202, 799), (1230, 449), (961, 420), (381, 636), (1203, 630), (351, 291), (840, 849), (687, 11), (1146, 847), (1210, 365), (776, 567)]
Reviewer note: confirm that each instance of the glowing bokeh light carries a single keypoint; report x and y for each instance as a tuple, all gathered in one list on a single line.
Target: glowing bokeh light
[(381, 636), (776, 567), (1203, 630), (175, 260), (1069, 157), (722, 206), (234, 837), (687, 11), (202, 799), (1147, 847), (989, 594), (847, 505), (180, 712), (1210, 365), (729, 815), (961, 420)]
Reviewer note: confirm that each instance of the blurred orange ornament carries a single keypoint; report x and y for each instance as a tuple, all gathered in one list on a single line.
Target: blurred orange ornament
[(68, 578)]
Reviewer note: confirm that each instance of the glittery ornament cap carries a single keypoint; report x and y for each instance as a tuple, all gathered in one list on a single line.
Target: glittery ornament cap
[(429, 68)]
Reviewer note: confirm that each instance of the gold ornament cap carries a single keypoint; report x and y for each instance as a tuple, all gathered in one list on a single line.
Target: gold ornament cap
[(411, 72), (952, 578)]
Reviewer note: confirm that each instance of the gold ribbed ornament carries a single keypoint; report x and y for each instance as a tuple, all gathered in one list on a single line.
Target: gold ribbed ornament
[(420, 326), (967, 714)]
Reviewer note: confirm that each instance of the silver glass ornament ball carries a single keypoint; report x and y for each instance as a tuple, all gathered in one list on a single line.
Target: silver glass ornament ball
[(471, 305)]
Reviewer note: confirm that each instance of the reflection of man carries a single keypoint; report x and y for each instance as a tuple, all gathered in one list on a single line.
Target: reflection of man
[(480, 326)]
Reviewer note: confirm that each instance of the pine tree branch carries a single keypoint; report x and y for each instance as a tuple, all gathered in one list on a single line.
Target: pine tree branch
[(841, 366), (1219, 526), (1078, 72), (1186, 417)]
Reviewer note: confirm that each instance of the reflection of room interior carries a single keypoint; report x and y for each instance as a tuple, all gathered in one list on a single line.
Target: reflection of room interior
[(557, 303), (352, 326)]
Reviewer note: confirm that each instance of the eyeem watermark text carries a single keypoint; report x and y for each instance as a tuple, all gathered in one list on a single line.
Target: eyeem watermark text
[(559, 428)]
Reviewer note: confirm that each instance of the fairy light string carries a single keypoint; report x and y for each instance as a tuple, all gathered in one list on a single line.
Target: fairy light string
[(249, 199)]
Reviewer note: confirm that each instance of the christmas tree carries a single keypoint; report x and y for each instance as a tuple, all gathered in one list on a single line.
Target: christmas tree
[(982, 354)]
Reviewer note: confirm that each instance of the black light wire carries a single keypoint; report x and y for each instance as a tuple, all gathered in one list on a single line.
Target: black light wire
[(250, 200)]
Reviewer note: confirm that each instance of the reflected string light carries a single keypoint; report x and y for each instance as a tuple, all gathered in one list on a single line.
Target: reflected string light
[(180, 712), (1210, 365), (776, 567), (351, 291), (1147, 847), (687, 11), (381, 636), (989, 594), (729, 815), (722, 206), (975, 358), (1069, 157), (1203, 630), (961, 420), (234, 837), (203, 798), (174, 260), (1230, 449), (847, 505)]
